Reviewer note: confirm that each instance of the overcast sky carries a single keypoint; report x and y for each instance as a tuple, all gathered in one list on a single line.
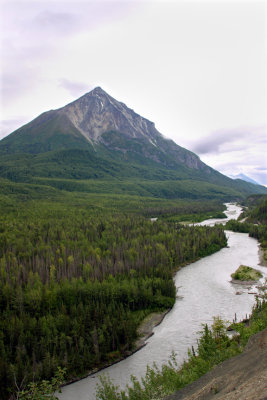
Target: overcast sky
[(195, 68)]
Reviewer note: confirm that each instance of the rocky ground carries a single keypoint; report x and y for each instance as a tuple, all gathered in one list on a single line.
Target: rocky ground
[(243, 377)]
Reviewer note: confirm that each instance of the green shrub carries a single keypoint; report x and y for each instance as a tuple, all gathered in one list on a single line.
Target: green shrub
[(214, 346), (245, 273)]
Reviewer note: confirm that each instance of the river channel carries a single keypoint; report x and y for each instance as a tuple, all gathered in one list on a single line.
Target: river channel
[(203, 291)]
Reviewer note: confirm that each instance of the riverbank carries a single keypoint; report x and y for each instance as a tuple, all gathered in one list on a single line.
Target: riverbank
[(144, 331), (242, 377), (262, 256)]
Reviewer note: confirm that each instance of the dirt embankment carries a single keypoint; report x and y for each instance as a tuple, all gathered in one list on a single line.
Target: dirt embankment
[(243, 377)]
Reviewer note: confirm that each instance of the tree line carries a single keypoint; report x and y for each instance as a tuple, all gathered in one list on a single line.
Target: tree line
[(254, 221)]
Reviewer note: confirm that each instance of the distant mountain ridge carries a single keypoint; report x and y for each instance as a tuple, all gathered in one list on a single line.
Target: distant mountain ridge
[(244, 178), (98, 137)]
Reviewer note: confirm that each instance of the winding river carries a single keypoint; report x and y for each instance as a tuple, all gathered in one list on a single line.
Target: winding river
[(203, 291)]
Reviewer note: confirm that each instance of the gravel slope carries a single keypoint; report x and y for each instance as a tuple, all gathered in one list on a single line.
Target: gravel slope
[(243, 377)]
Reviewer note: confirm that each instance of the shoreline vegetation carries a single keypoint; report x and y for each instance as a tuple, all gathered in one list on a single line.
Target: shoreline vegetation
[(262, 256), (246, 275), (214, 347), (159, 383), (253, 221), (145, 331)]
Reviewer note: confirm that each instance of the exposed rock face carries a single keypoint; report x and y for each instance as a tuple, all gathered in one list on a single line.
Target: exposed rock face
[(97, 119), (99, 122), (96, 112)]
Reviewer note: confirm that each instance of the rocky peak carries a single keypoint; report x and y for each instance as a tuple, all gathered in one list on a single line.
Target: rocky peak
[(103, 121), (97, 112), (97, 91)]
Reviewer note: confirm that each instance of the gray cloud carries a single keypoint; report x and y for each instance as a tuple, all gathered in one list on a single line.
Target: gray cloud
[(230, 140), (55, 22), (34, 32), (75, 88), (213, 142), (13, 85), (234, 151), (261, 169)]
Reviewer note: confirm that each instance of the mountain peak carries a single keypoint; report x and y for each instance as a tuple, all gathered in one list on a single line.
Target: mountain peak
[(99, 120), (94, 93), (97, 113), (244, 178), (97, 89)]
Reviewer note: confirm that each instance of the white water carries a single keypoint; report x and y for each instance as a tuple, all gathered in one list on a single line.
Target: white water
[(204, 291)]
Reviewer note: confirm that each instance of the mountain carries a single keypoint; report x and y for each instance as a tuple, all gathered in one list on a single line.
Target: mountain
[(95, 121), (244, 178), (99, 138)]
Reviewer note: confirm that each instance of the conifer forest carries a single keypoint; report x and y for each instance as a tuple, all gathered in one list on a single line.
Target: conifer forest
[(75, 282)]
